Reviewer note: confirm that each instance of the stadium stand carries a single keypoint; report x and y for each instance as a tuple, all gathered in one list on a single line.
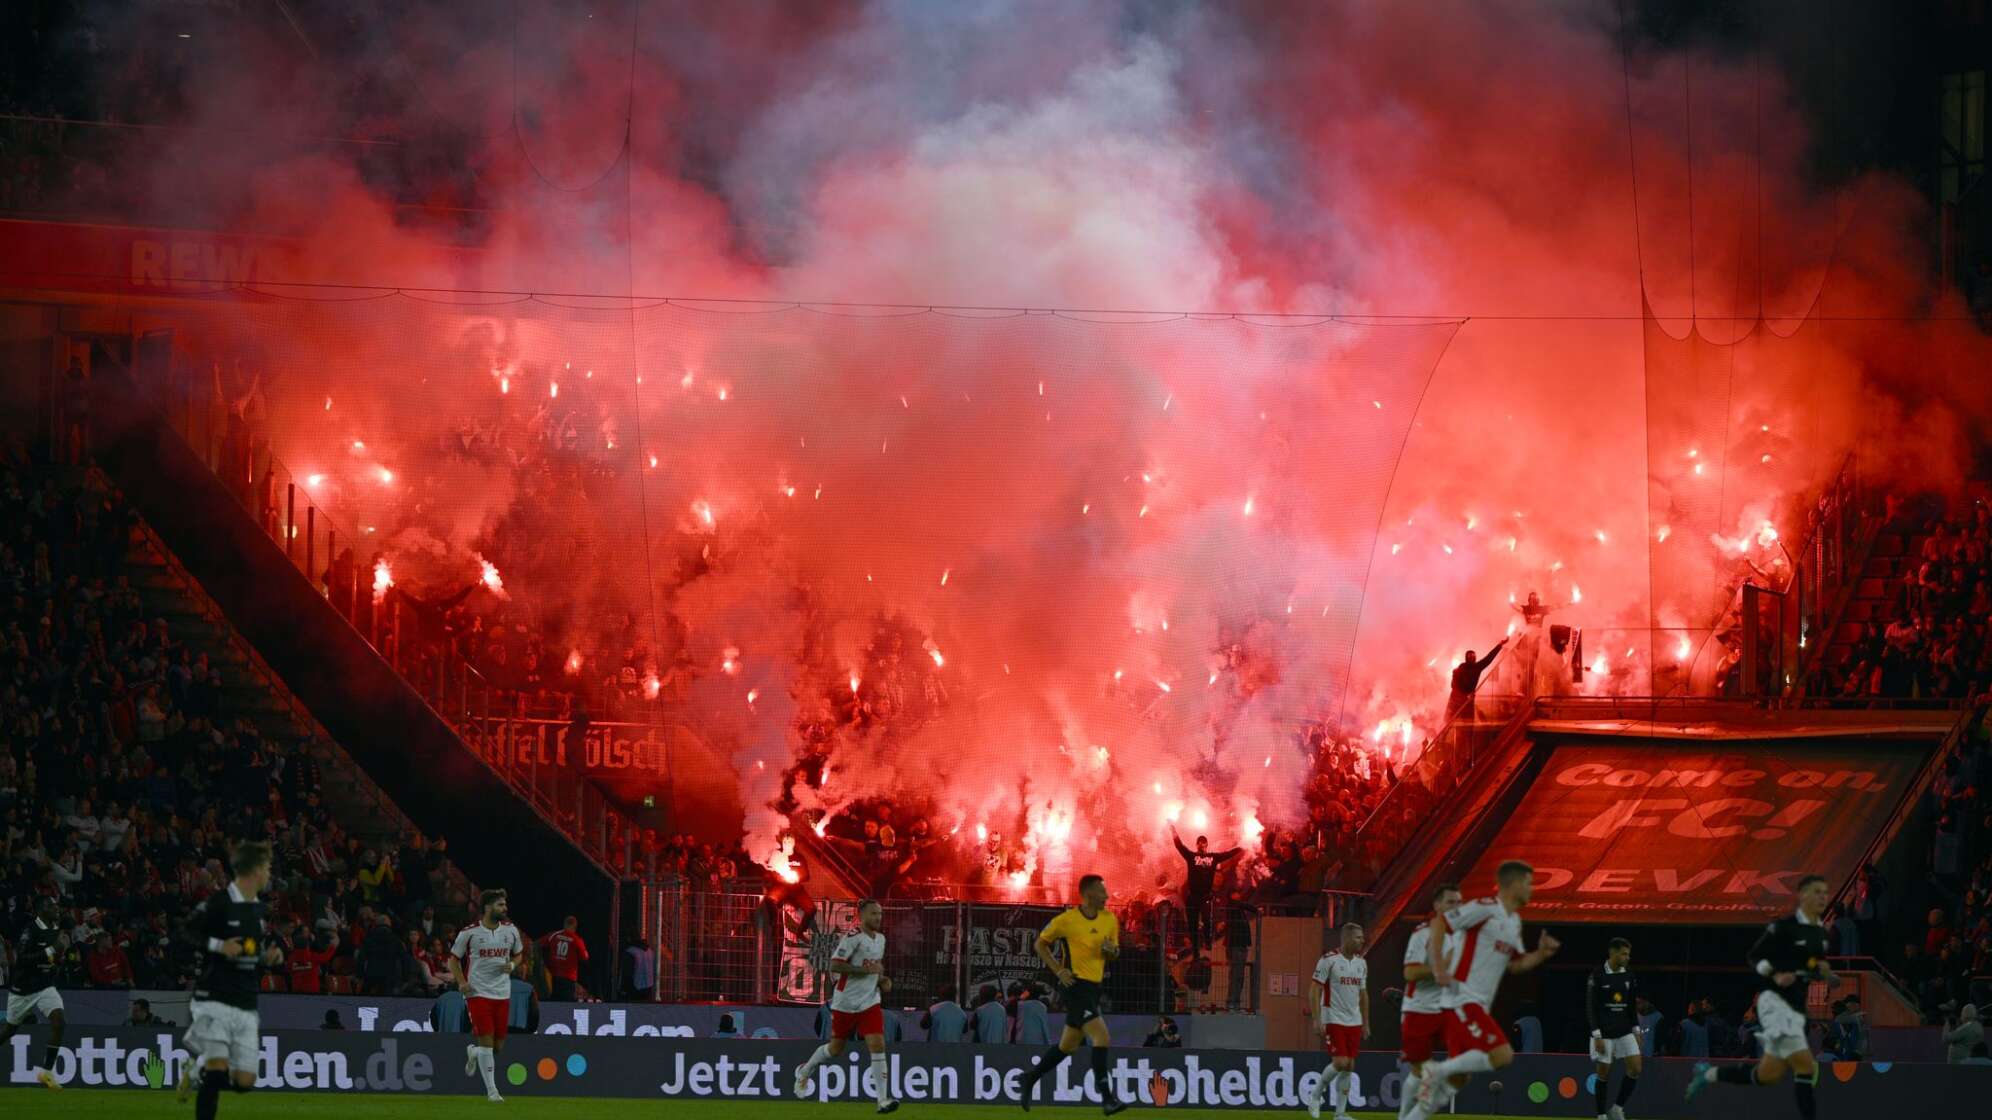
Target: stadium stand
[(138, 735)]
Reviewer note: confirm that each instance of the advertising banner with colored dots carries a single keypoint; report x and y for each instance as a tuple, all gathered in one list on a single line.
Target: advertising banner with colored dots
[(748, 1070), (1627, 834)]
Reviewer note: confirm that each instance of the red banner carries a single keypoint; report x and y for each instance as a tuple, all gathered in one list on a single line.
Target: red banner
[(1657, 836), (99, 258)]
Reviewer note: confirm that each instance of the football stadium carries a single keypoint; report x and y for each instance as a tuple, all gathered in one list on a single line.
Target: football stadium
[(822, 558)]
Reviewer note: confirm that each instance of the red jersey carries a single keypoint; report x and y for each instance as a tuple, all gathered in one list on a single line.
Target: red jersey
[(306, 967), (564, 953)]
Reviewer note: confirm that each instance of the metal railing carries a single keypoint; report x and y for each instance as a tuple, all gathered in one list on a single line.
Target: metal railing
[(310, 537), (740, 946)]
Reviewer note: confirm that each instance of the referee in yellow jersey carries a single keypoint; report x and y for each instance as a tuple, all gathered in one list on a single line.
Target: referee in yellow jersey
[(1092, 938)]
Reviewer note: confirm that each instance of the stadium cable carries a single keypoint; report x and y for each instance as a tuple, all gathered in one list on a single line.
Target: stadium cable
[(1382, 509), (623, 151), (628, 162), (748, 305)]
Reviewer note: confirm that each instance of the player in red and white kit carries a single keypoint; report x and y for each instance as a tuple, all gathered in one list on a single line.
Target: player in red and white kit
[(1423, 1021), (859, 965), (1339, 996), (482, 962), (1470, 950)]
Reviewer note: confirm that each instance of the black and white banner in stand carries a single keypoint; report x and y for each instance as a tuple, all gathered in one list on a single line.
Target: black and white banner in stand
[(571, 1066)]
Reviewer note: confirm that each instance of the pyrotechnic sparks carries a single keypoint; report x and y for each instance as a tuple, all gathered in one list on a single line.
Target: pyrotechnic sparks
[(574, 662), (1576, 594), (1248, 507), (753, 694), (651, 685), (553, 390), (855, 681), (703, 512), (945, 573), (504, 384), (1600, 534), (328, 404), (313, 480), (386, 476), (383, 579), (1682, 650), (490, 579), (729, 661), (1664, 532)]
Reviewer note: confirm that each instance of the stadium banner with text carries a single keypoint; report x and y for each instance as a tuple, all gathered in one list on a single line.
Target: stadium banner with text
[(94, 1008), (738, 1070), (1663, 836)]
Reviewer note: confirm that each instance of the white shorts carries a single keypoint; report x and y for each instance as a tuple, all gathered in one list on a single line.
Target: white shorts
[(42, 1004), (228, 1033), (1607, 1050), (1780, 1027)]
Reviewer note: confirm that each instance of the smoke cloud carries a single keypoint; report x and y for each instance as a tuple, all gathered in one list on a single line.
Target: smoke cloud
[(1094, 573)]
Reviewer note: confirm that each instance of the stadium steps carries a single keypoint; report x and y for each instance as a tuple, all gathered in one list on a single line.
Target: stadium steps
[(1895, 551), (1462, 814), (250, 689), (395, 739)]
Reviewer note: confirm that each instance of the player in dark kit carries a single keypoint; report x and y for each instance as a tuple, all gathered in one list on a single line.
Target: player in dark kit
[(42, 944), (1092, 938), (1789, 955), (1610, 998), (225, 1036)]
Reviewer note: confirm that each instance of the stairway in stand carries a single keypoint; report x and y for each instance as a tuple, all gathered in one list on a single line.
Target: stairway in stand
[(251, 690)]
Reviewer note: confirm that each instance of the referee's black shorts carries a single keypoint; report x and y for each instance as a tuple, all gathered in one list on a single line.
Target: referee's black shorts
[(1082, 1003)]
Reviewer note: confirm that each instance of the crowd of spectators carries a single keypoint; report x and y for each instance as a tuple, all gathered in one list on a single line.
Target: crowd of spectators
[(124, 777), (1931, 642)]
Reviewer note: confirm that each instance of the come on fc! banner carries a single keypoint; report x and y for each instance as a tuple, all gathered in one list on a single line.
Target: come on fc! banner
[(1657, 836)]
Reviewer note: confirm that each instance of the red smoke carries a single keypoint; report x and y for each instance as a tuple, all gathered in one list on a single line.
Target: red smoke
[(1129, 556)]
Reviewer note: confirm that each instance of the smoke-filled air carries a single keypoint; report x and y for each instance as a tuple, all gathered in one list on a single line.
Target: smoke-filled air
[(1057, 417)]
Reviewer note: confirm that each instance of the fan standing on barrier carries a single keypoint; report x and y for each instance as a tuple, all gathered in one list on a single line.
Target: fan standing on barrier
[(855, 1010), (1338, 997), (224, 1036), (1611, 998), (1091, 936), (482, 961), (1789, 955), (1423, 1019)]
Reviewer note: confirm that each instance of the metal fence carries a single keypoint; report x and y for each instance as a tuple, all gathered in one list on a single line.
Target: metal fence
[(748, 948)]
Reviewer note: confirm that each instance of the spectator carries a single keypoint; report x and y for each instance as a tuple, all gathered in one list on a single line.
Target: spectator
[(305, 962), (1847, 1035), (1238, 964), (525, 1008), (1528, 1029), (1466, 680), (1963, 1035), (1650, 1020), (727, 1029), (450, 1014), (945, 1021), (1033, 1019), (1164, 1035), (109, 966), (1202, 866), (642, 969), (383, 960), (141, 1015), (1693, 1032), (332, 1022), (992, 1022), (565, 953)]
